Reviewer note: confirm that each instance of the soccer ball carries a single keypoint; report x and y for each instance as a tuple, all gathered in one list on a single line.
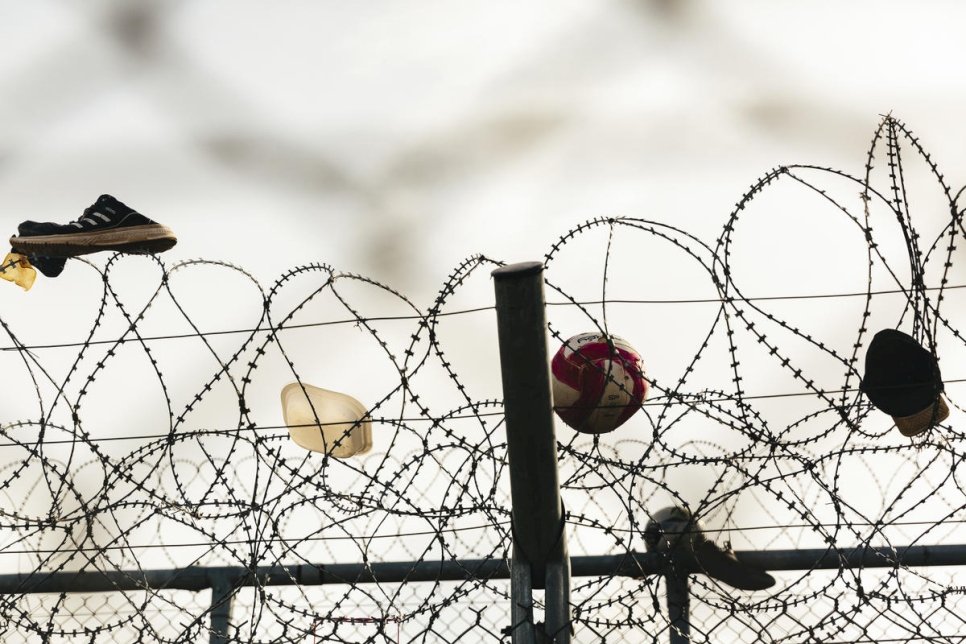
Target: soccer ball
[(598, 382)]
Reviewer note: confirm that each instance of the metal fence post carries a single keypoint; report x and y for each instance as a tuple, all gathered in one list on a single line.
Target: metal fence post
[(222, 597), (678, 605), (539, 535), (521, 596)]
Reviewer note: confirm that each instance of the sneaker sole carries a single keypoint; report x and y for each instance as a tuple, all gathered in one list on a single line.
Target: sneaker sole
[(152, 238), (719, 565)]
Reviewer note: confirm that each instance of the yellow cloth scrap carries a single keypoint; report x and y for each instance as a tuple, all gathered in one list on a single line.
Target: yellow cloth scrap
[(17, 269)]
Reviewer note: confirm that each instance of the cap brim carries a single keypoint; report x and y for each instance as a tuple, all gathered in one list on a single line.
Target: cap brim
[(921, 421)]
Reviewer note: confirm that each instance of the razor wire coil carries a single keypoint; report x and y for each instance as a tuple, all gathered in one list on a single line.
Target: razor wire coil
[(755, 422)]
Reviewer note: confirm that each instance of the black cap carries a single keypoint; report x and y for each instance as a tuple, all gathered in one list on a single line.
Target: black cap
[(903, 380)]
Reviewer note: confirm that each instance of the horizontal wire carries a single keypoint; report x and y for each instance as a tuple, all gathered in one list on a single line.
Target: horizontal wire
[(243, 542), (569, 519), (696, 400), (791, 526), (402, 318), (206, 334), (766, 298)]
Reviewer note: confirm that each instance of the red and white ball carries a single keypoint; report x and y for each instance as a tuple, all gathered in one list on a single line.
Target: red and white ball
[(597, 384)]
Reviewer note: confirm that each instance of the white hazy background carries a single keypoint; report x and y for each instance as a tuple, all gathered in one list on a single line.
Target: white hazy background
[(395, 139)]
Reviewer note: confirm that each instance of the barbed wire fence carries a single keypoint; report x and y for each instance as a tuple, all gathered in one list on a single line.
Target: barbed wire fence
[(151, 492)]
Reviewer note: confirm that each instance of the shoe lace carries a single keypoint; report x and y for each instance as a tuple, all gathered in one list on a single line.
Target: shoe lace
[(88, 217)]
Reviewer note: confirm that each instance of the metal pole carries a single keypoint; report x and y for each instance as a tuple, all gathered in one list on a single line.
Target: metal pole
[(678, 605), (521, 596), (196, 578), (557, 614), (222, 596), (528, 400), (539, 535)]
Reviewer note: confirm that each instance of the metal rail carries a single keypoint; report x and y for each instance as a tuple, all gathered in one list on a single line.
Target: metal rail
[(224, 581), (632, 564)]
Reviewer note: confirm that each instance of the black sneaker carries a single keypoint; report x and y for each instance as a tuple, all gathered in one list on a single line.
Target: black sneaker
[(48, 266), (107, 225), (722, 564), (674, 529)]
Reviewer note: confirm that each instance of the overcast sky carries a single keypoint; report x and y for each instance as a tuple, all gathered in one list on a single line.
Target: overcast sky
[(395, 139)]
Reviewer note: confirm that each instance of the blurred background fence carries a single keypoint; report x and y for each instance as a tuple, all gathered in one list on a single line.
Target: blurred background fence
[(143, 446)]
